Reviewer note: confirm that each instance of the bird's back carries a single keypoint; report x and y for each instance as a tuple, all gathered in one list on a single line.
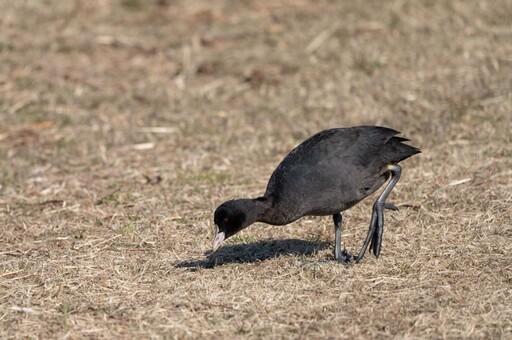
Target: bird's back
[(333, 170)]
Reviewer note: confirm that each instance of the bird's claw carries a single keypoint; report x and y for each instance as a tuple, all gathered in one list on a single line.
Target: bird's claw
[(390, 206), (345, 257)]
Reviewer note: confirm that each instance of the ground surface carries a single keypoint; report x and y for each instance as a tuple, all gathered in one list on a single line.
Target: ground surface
[(125, 123)]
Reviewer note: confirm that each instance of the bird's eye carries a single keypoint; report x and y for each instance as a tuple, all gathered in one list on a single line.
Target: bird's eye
[(225, 221)]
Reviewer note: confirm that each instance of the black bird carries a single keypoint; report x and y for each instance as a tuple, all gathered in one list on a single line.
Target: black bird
[(328, 173)]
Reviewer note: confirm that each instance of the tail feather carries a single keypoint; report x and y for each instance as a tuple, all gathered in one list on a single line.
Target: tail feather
[(395, 151)]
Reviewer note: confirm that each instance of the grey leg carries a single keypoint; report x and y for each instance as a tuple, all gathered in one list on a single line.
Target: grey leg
[(377, 221), (339, 255), (376, 241)]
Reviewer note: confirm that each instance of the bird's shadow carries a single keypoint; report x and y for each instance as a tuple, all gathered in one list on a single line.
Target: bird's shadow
[(254, 252)]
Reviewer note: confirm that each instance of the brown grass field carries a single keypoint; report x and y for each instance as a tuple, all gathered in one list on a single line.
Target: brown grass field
[(124, 123)]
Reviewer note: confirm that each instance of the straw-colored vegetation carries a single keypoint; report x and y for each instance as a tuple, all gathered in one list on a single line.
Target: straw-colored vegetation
[(123, 124)]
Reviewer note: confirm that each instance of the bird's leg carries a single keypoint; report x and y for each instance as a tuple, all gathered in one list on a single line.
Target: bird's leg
[(339, 255), (377, 221), (337, 236), (369, 236), (377, 235), (376, 241)]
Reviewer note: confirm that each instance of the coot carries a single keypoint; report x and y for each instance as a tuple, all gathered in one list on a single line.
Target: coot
[(328, 173)]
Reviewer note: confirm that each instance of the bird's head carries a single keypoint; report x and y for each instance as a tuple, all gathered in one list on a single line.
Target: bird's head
[(230, 217)]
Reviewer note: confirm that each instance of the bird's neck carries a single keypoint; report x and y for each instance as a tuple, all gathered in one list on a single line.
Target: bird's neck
[(267, 210), (255, 209)]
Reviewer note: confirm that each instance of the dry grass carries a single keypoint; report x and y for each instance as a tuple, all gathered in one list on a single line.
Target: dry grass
[(124, 123)]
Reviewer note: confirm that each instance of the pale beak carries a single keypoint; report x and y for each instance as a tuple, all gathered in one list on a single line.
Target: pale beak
[(219, 238)]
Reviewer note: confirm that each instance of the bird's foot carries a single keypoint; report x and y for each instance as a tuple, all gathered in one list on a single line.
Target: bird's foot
[(376, 242), (344, 257), (390, 206)]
